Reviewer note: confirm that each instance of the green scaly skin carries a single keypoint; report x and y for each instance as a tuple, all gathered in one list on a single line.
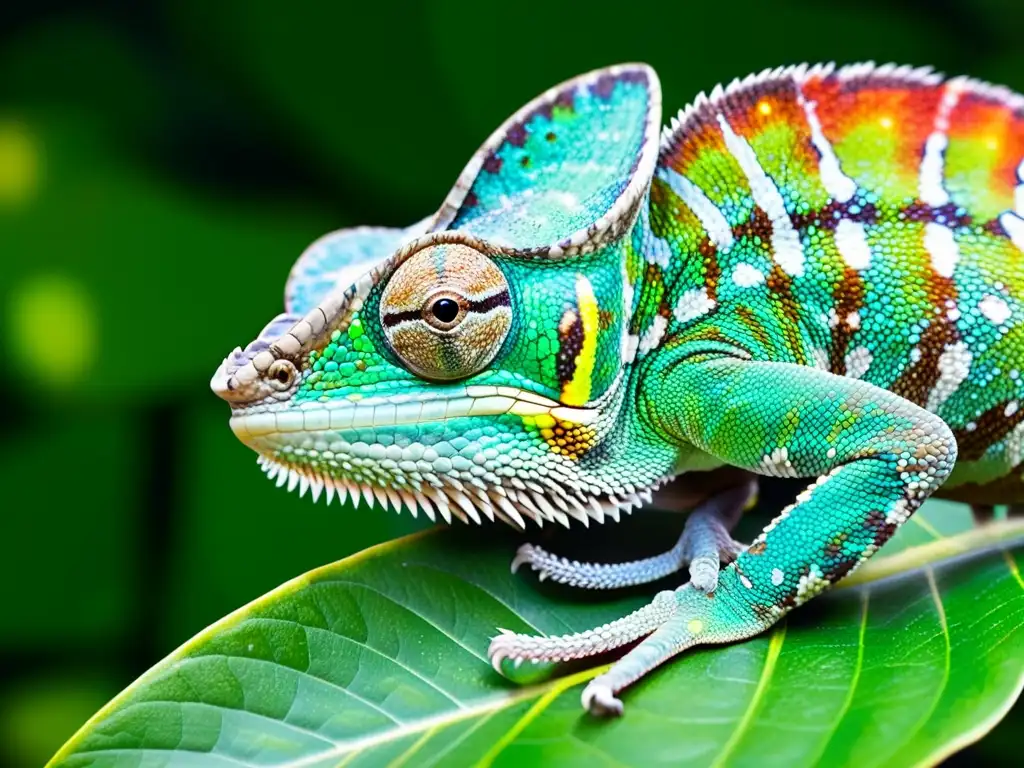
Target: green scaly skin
[(816, 273)]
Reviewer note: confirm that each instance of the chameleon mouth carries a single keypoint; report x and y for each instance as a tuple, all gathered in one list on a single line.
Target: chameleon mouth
[(414, 478), (399, 410)]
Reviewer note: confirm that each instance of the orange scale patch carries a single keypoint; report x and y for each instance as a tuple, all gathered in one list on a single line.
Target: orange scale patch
[(569, 439), (999, 135), (703, 136), (705, 160), (773, 103), (986, 145), (879, 134)]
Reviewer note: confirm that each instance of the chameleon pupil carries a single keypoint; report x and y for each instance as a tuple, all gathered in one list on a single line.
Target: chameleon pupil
[(445, 310)]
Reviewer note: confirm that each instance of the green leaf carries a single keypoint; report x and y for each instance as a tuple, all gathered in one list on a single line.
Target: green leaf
[(381, 658)]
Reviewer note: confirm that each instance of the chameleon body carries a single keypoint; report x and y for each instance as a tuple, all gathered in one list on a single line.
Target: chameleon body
[(814, 272)]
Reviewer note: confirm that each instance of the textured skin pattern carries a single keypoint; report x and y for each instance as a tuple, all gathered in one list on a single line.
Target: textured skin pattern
[(558, 163), (339, 258), (817, 274)]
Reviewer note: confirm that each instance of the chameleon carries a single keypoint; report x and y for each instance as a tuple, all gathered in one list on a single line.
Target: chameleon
[(815, 272)]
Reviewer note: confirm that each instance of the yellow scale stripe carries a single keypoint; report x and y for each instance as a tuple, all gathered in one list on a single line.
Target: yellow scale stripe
[(576, 391)]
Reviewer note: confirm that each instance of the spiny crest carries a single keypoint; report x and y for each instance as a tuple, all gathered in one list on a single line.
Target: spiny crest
[(850, 75), (450, 498)]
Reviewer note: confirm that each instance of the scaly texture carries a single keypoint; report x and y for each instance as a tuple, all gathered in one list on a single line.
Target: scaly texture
[(816, 273)]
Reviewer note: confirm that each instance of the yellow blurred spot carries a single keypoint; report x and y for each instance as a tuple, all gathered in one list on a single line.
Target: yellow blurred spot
[(38, 715), (696, 626), (764, 108), (52, 329), (992, 143), (886, 122), (19, 164)]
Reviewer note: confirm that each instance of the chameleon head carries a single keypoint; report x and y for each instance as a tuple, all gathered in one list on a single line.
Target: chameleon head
[(484, 368), (451, 379)]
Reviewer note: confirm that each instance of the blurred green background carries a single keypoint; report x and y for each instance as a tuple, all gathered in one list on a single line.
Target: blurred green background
[(163, 163)]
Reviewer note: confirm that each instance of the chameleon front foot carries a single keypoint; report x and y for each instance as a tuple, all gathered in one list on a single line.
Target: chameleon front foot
[(674, 621), (705, 545)]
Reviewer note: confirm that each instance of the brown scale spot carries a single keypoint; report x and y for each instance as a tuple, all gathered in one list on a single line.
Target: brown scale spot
[(493, 163), (995, 227), (835, 547), (832, 213), (757, 225), (604, 86), (525, 161), (874, 520), (757, 549), (550, 136), (839, 569), (848, 295), (516, 135), (780, 286), (712, 269), (756, 329), (877, 524), (922, 212), (918, 379), (991, 427)]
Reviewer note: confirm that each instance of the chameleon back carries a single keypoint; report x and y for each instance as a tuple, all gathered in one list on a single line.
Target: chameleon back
[(869, 222)]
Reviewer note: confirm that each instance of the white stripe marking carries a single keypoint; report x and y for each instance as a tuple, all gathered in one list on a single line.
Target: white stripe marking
[(652, 337), (858, 360), (1014, 226), (852, 242), (746, 275), (788, 252), (711, 218), (941, 245), (995, 309), (693, 304), (930, 183), (1019, 196), (954, 367), (840, 186)]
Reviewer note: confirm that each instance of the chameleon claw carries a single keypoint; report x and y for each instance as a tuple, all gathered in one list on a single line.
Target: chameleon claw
[(704, 574), (598, 699), (523, 556)]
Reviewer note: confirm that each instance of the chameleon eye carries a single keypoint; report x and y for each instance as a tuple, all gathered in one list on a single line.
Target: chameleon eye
[(443, 312), (446, 311), (281, 374)]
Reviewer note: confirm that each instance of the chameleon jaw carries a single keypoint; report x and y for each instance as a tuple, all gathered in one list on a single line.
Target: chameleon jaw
[(336, 448), (316, 449)]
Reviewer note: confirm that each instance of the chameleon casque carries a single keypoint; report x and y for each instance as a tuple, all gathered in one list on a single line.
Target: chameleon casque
[(815, 272)]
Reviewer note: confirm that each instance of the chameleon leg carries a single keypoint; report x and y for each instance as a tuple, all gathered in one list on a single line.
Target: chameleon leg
[(705, 545), (877, 457)]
